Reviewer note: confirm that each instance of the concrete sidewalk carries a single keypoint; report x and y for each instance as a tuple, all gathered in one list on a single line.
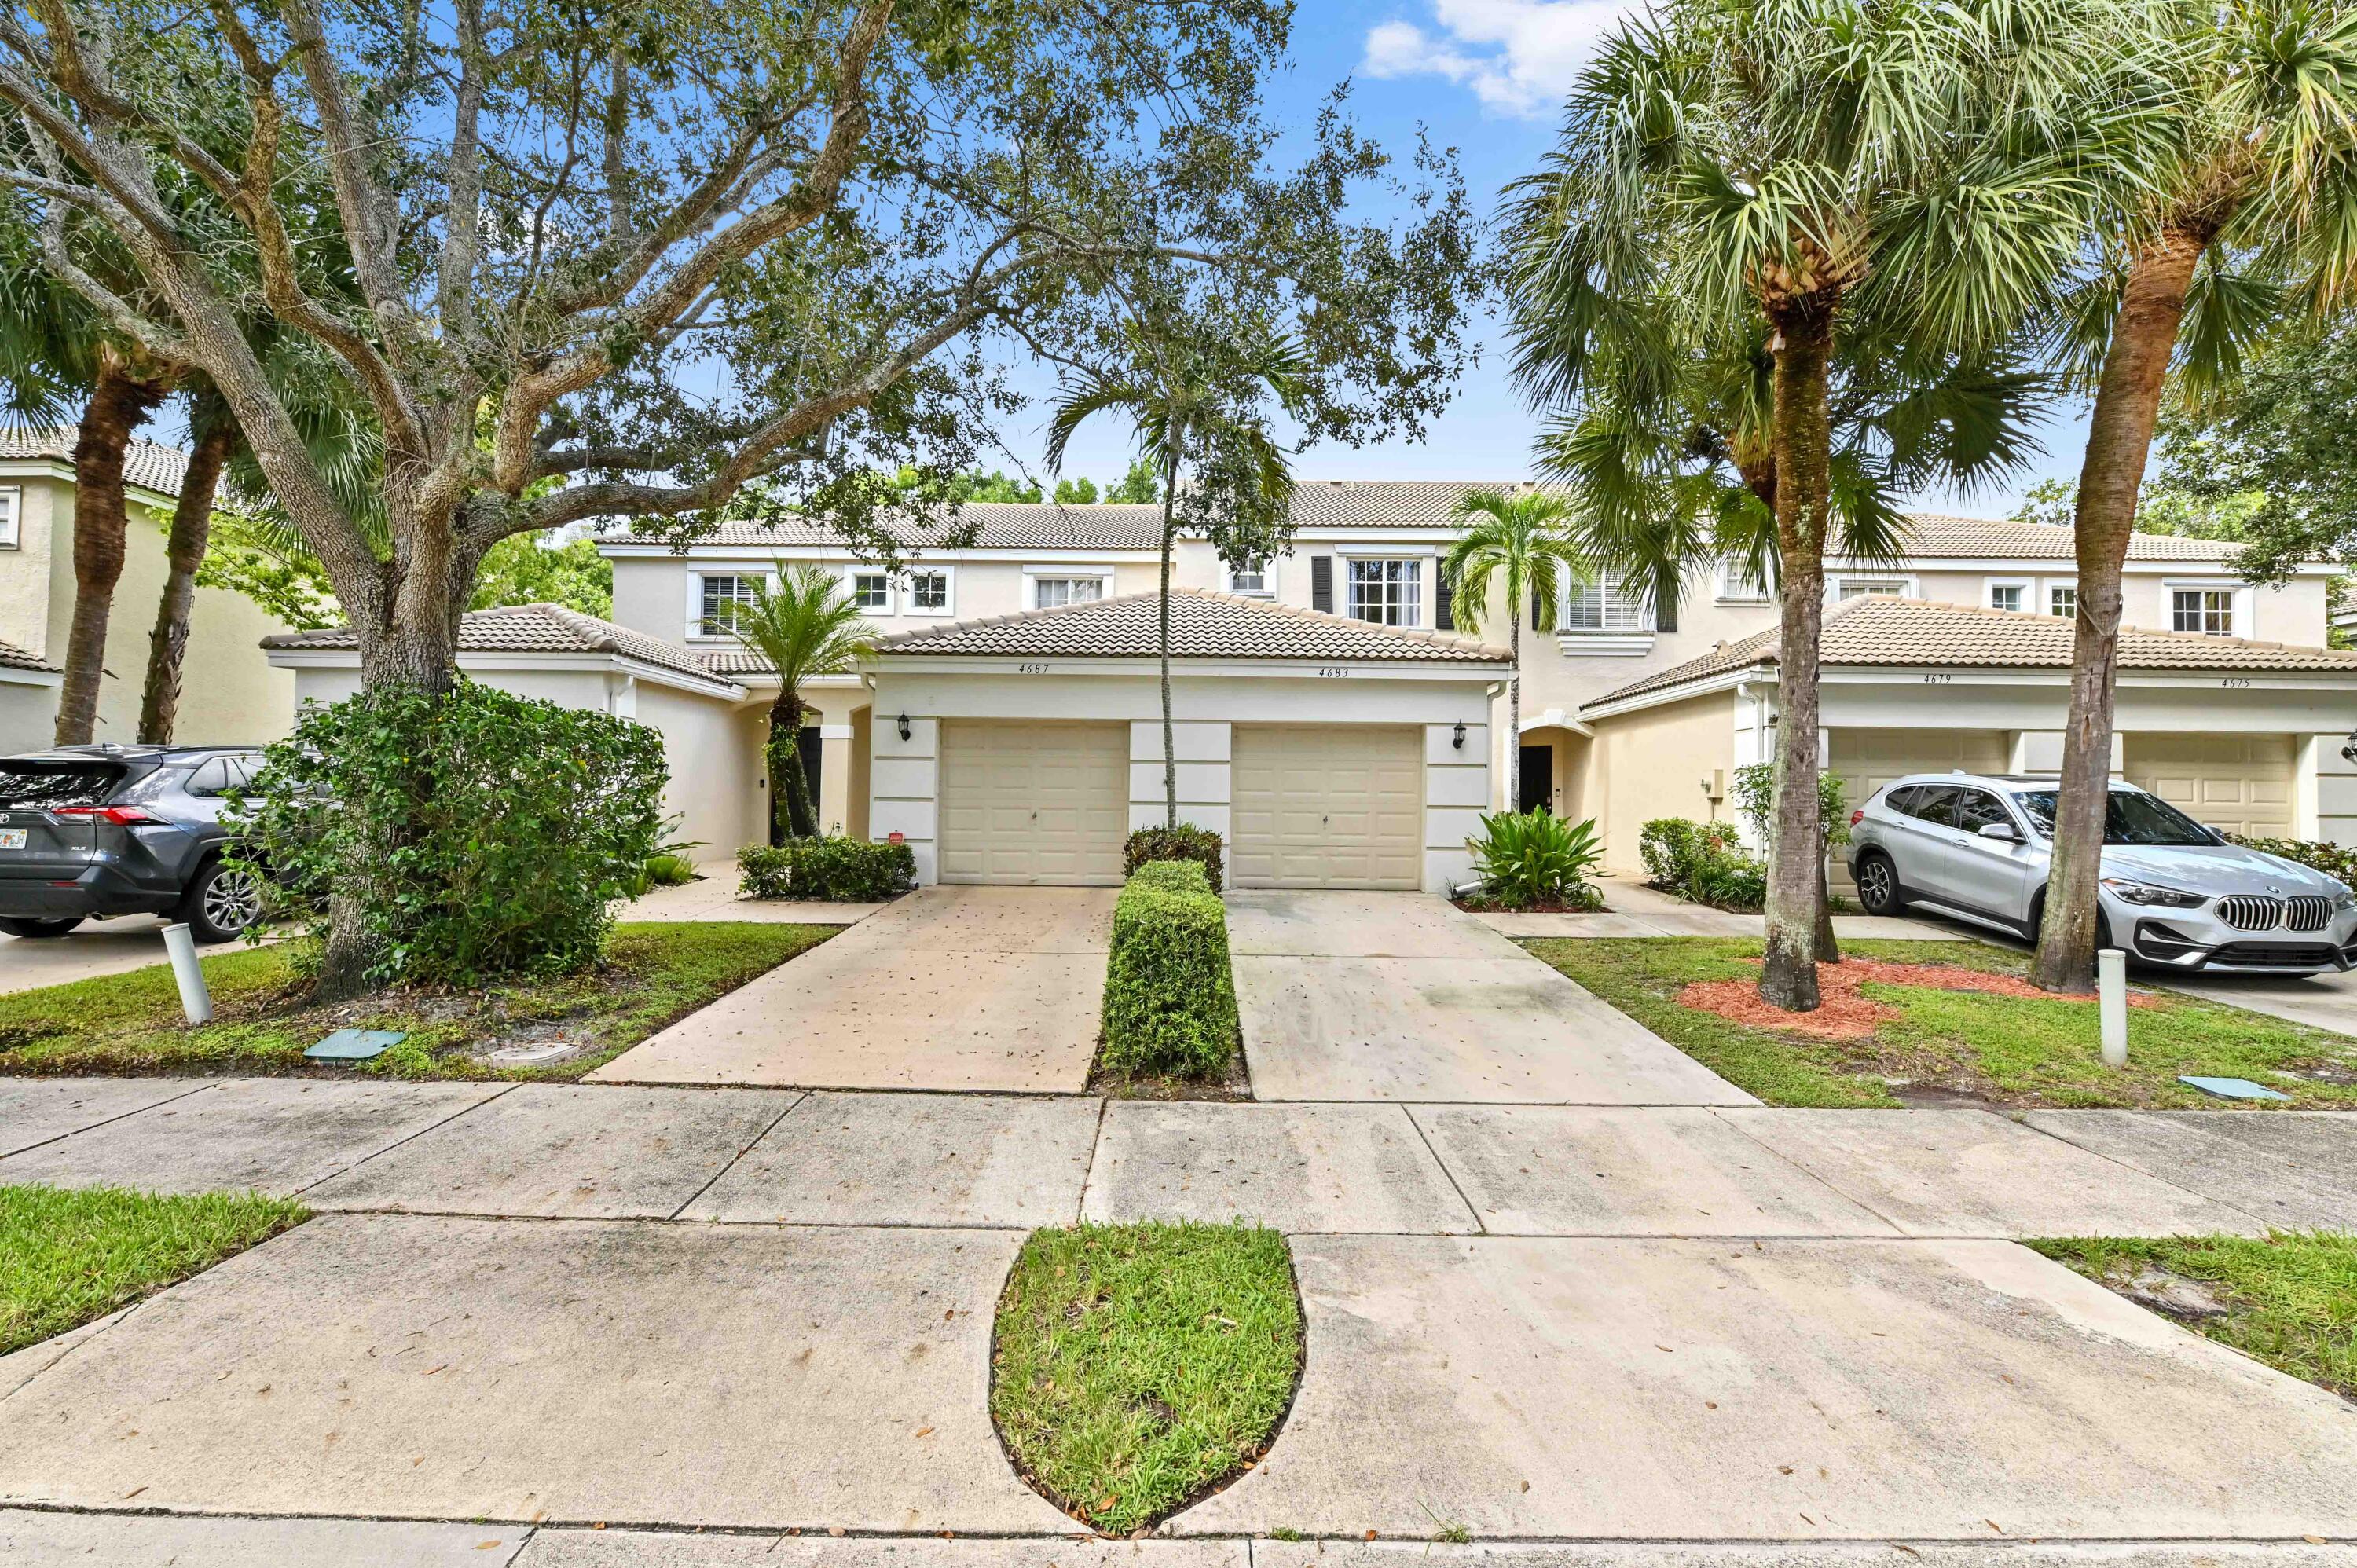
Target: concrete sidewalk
[(1633, 909)]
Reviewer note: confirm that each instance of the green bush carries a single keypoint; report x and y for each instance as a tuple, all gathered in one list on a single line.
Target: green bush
[(473, 833), (2332, 859), (836, 869), (1185, 842), (1169, 1000), (1755, 801), (1536, 858), (1702, 862), (670, 870)]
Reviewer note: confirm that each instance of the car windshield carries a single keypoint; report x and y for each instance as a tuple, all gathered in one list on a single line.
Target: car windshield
[(2130, 817), (29, 785)]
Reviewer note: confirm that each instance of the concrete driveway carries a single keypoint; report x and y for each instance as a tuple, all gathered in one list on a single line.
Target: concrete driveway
[(1399, 996), (95, 948), (975, 989)]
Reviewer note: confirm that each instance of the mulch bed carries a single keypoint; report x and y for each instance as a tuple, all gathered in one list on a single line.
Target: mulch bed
[(1844, 1012)]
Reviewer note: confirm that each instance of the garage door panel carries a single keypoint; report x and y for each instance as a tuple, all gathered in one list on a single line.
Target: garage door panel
[(1332, 806), (2237, 783), (1034, 803)]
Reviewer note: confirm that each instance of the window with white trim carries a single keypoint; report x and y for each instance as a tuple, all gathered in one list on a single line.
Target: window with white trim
[(2003, 595), (928, 593), (2208, 611), (1386, 592), (1252, 577), (1605, 606), (872, 591), (1854, 587), (1051, 592), (11, 503), (720, 597), (1737, 584), (2063, 599)]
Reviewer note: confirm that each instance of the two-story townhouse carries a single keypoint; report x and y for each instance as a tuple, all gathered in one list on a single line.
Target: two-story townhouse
[(1334, 723)]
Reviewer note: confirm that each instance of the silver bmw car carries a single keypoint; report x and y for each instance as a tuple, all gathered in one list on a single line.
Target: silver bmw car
[(2175, 894)]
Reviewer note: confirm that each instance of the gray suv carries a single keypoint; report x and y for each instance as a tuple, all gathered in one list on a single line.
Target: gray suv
[(95, 830), (2173, 894)]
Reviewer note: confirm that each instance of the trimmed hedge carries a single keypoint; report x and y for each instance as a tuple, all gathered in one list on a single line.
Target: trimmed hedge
[(1169, 1000), (2332, 859), (837, 869), (1702, 862), (1185, 842)]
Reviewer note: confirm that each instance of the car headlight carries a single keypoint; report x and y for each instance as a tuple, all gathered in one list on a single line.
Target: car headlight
[(2343, 898), (2128, 892)]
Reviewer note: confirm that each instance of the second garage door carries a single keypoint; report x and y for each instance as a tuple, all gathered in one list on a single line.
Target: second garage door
[(2235, 783), (1033, 803), (1866, 759), (1327, 806)]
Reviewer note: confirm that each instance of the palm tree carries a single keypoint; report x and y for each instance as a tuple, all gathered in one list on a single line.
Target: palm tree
[(1522, 539), (217, 439), (1186, 410), (2253, 208), (1825, 173), (805, 625)]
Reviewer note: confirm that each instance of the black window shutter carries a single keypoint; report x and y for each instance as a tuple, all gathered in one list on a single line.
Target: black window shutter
[(1665, 615), (1444, 605), (1322, 582)]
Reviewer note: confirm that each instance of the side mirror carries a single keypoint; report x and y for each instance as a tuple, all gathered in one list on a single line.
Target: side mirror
[(2002, 832)]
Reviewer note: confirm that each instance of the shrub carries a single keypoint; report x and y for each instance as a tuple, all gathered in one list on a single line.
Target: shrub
[(1755, 801), (2332, 859), (1169, 1000), (1702, 862), (835, 868), (1536, 858), (472, 833), (669, 870), (1185, 842)]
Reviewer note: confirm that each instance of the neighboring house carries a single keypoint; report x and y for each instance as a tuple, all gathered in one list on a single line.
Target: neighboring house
[(229, 691), (1334, 724)]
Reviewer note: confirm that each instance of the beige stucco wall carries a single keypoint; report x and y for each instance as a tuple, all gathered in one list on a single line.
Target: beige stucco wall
[(1652, 763), (715, 752)]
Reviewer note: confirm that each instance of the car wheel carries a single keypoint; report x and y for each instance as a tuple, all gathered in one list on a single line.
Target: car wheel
[(222, 901), (16, 927), (1877, 885)]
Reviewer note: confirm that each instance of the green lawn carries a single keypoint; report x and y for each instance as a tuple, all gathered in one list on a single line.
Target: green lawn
[(2289, 1300), (1136, 1367), (653, 974), (68, 1257), (2011, 1052)]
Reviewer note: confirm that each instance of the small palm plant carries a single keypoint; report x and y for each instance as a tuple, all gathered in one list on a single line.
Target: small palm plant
[(805, 625), (1522, 539), (1534, 858)]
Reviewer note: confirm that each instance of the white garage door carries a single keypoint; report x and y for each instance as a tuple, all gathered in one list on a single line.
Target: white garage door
[(1866, 759), (1031, 802), (1327, 806), (2236, 783)]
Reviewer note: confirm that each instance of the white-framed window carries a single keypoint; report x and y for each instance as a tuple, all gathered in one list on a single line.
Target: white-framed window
[(2063, 599), (2010, 593), (11, 505), (871, 591), (1388, 592), (1739, 585), (719, 597), (2208, 611), (1252, 577), (1850, 587), (1605, 606), (1050, 593), (929, 591)]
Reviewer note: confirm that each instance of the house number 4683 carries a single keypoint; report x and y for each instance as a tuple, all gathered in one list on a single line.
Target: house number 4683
[(1334, 672)]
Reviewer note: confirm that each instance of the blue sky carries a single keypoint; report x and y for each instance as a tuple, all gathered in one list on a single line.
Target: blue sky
[(1486, 77)]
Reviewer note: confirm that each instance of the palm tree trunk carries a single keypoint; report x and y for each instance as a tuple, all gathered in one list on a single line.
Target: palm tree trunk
[(796, 814), (1515, 718), (118, 403), (1170, 735), (192, 519), (1788, 975), (2120, 440)]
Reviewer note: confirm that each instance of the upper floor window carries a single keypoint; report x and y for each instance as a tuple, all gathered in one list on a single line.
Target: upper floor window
[(11, 501), (1252, 577), (1603, 607), (2008, 596), (928, 593), (722, 597), (1049, 592), (1740, 583), (1386, 592), (2063, 599), (2209, 611), (1852, 587), (872, 591)]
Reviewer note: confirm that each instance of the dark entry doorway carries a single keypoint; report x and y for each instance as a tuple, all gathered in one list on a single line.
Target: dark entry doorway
[(1538, 778)]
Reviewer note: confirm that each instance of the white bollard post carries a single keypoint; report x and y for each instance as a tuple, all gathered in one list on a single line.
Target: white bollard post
[(196, 1000), (2112, 1004)]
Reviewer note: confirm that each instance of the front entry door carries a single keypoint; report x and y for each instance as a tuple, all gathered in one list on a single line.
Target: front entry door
[(1538, 778)]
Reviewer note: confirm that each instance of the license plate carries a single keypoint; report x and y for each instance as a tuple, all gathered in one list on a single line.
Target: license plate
[(11, 838)]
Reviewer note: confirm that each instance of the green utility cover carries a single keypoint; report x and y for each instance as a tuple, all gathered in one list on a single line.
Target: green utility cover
[(355, 1044)]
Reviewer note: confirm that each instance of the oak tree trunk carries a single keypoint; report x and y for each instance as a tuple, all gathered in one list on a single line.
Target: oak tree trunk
[(1788, 975), (2120, 440), (119, 403), (184, 552)]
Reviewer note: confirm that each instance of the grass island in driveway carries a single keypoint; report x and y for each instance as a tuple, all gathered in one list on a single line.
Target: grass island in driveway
[(653, 975), (1930, 1044)]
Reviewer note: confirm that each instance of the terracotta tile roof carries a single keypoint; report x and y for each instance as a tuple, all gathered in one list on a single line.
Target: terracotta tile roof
[(1933, 536), (1002, 525), (150, 465), (15, 658), (1202, 626), (532, 629), (1878, 631)]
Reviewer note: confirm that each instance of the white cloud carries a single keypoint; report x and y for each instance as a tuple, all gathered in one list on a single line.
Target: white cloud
[(1518, 55)]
